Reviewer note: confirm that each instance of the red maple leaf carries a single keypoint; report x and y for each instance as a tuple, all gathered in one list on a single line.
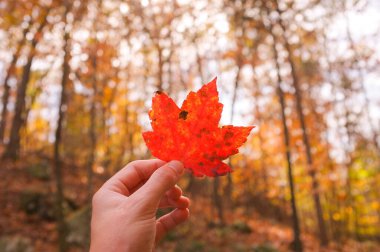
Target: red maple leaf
[(191, 134)]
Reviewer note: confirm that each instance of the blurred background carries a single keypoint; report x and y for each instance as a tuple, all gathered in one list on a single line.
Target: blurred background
[(76, 81)]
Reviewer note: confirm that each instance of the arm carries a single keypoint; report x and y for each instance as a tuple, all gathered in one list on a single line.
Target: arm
[(124, 208)]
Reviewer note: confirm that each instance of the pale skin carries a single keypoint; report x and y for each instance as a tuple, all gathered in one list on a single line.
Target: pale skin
[(124, 208)]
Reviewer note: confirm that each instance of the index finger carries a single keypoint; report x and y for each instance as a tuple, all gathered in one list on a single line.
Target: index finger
[(132, 175)]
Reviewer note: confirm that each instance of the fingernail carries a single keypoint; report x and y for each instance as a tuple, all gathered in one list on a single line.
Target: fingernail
[(177, 166)]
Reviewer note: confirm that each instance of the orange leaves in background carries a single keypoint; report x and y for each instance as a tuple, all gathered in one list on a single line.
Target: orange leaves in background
[(192, 134)]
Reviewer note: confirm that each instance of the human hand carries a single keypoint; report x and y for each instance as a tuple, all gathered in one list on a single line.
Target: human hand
[(124, 208)]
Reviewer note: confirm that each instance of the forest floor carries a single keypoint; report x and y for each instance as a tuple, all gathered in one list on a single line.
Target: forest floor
[(27, 219)]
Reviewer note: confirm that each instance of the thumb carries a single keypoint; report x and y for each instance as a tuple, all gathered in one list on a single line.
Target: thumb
[(161, 181)]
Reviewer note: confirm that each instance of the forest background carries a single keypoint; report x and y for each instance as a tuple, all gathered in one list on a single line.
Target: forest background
[(76, 81)]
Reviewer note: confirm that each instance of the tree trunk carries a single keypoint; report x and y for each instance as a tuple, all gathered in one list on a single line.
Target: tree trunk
[(229, 187), (239, 63), (199, 63), (92, 129), (93, 139), (13, 147), (311, 169), (297, 243), (130, 137), (218, 201), (61, 225), (160, 78), (10, 73)]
